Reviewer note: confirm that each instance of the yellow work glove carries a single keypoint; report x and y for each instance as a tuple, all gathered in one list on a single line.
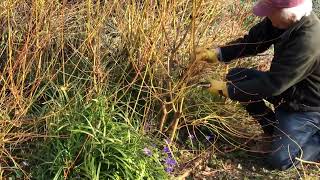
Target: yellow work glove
[(207, 55), (218, 88)]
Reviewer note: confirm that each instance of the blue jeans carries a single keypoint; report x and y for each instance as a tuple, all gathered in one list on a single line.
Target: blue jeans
[(295, 134)]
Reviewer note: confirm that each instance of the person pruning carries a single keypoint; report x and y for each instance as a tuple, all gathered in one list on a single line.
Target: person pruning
[(292, 84)]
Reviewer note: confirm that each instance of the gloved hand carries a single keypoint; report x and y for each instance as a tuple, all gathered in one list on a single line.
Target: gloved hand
[(218, 88), (207, 55)]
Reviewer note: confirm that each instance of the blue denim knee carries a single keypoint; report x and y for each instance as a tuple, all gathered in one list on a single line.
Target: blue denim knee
[(297, 135)]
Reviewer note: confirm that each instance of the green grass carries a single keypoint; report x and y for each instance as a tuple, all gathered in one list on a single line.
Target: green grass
[(94, 142)]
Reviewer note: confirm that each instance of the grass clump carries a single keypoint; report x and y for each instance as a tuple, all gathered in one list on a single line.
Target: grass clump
[(93, 141)]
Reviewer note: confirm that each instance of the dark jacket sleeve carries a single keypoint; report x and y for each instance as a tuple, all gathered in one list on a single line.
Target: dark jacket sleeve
[(288, 68), (258, 40)]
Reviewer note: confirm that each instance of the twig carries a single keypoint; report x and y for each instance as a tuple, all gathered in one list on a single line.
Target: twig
[(164, 117), (198, 161), (176, 120)]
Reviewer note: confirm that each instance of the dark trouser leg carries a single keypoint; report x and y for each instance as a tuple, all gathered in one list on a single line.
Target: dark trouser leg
[(263, 114), (296, 136)]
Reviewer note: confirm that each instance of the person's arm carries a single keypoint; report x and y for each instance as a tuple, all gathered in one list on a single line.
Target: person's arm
[(258, 40), (289, 68)]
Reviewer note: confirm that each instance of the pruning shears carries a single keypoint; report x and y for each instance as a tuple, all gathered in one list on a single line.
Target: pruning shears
[(203, 85)]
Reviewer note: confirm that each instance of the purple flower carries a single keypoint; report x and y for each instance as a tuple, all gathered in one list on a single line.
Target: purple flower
[(170, 162), (209, 137), (169, 169), (147, 151), (166, 150), (191, 136)]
